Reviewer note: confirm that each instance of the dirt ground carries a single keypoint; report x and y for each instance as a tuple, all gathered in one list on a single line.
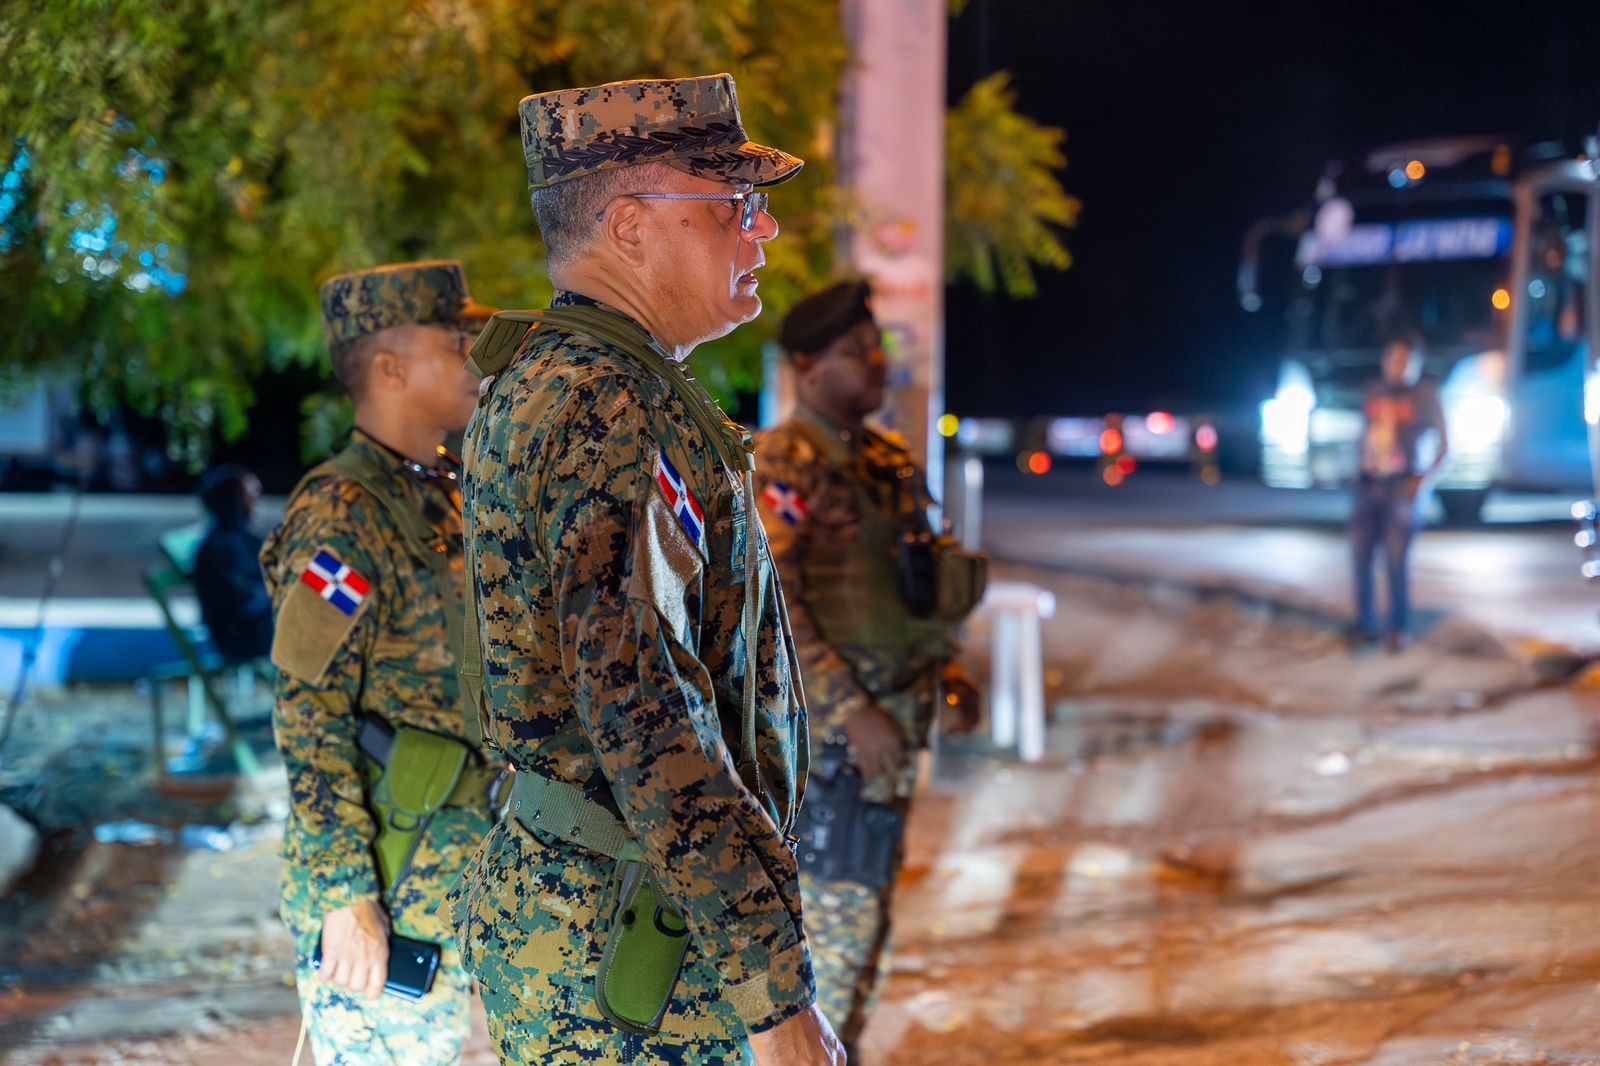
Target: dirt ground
[(1246, 845)]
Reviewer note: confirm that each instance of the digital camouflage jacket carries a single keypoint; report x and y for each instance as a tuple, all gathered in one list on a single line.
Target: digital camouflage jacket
[(361, 629), (609, 543)]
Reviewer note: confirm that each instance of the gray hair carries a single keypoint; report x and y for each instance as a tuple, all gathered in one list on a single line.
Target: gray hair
[(566, 212)]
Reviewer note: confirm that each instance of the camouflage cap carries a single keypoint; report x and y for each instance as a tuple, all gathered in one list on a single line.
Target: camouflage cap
[(690, 123), (426, 294)]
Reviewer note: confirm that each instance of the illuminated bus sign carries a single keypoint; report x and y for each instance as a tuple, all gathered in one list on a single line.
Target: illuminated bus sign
[(1433, 241)]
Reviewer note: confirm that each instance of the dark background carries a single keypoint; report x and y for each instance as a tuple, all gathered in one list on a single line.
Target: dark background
[(1185, 123)]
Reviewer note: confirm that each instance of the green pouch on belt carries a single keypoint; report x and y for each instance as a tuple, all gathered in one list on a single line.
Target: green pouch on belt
[(645, 946), (421, 772)]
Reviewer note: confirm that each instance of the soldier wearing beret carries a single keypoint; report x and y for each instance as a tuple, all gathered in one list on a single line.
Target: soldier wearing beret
[(640, 902), (388, 793), (846, 509)]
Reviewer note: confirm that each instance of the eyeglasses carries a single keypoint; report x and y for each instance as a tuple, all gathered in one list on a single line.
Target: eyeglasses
[(753, 203)]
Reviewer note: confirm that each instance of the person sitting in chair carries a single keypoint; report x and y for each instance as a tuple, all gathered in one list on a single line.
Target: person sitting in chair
[(234, 604)]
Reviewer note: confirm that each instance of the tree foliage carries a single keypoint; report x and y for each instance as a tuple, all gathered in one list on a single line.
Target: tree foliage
[(1004, 205), (177, 175)]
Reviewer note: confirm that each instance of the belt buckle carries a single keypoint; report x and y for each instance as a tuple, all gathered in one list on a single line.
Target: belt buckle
[(498, 795)]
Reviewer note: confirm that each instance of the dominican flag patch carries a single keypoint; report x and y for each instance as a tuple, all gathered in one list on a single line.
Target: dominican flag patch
[(335, 582), (784, 502), (682, 501)]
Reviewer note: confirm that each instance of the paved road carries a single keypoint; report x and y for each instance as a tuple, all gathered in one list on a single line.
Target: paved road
[(1516, 575)]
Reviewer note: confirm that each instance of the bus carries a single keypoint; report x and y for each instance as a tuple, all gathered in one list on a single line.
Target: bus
[(1479, 246)]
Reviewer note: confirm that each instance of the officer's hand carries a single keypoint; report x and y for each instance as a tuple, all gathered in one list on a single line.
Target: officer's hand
[(958, 704), (877, 742), (355, 948), (804, 1040)]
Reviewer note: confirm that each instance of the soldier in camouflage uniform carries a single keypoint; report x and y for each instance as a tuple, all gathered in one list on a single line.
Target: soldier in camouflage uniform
[(837, 499), (366, 576), (610, 530)]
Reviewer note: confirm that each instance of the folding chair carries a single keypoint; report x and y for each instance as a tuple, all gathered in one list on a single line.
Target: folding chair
[(179, 547)]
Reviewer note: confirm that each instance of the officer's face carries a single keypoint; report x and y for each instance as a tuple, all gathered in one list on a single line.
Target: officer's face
[(439, 388), (704, 263), (849, 374)]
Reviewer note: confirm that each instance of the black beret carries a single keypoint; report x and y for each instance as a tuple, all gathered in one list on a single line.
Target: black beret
[(823, 317)]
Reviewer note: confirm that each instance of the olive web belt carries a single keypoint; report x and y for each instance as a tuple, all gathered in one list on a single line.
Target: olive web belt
[(562, 810)]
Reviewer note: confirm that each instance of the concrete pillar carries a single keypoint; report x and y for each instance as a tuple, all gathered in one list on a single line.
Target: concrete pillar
[(891, 155)]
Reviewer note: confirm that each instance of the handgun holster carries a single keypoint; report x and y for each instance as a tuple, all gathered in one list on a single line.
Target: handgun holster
[(645, 945), (422, 772)]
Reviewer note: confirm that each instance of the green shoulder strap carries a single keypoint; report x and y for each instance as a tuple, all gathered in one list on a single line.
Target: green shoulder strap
[(498, 345), (420, 538)]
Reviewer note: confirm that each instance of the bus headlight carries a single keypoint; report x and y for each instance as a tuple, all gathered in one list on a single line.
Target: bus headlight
[(1286, 418), (1478, 422)]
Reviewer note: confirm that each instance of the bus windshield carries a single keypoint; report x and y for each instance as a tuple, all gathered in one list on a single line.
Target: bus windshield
[(1355, 308)]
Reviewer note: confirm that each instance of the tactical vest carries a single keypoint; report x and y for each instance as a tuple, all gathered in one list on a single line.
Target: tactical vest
[(852, 588)]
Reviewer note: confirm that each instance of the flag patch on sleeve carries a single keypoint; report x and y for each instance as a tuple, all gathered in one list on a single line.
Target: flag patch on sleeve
[(335, 582), (785, 502), (684, 506)]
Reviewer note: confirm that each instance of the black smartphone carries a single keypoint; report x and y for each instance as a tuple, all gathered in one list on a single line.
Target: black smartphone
[(413, 964)]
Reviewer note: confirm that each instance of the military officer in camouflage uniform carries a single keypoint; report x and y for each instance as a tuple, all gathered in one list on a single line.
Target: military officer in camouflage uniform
[(838, 500), (638, 670), (366, 576)]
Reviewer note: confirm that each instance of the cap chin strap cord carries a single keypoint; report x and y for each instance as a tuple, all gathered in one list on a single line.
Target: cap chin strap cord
[(300, 1041)]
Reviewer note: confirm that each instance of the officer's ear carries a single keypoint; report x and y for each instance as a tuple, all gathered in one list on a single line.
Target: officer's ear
[(803, 362), (389, 363), (385, 372), (621, 230)]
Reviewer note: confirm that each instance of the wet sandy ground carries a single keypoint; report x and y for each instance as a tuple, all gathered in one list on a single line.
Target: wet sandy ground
[(1248, 846), (1245, 846)]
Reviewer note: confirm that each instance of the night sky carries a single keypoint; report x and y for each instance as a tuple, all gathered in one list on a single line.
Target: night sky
[(1188, 121)]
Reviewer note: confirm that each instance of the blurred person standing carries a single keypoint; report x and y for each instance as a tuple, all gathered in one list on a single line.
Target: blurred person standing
[(389, 792), (234, 604), (875, 598), (640, 903), (1403, 445)]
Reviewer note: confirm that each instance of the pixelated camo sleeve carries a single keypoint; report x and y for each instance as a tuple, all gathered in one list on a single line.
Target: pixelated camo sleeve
[(320, 574)]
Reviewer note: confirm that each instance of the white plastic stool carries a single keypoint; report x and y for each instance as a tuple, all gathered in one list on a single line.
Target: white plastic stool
[(1016, 665)]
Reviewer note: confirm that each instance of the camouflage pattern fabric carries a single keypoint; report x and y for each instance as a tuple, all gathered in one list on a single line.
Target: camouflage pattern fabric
[(691, 123), (834, 505), (848, 927), (390, 656), (367, 301), (609, 609), (351, 1030)]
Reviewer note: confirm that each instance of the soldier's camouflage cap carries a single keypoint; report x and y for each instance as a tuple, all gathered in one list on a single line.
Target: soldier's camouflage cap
[(691, 124), (431, 293)]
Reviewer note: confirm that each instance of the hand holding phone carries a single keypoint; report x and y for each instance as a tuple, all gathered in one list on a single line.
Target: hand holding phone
[(410, 967), (354, 951)]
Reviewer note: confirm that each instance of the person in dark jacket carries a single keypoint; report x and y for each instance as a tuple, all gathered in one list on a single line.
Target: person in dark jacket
[(227, 578)]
